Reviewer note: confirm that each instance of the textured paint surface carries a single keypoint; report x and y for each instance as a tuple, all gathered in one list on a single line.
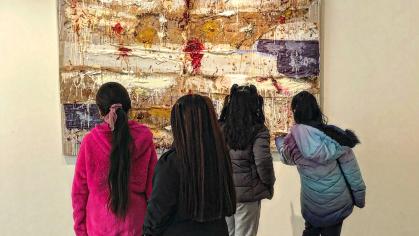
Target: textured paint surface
[(162, 49), (294, 58), (81, 116)]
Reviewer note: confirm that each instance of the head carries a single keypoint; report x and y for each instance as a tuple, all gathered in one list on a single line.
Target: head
[(206, 173), (242, 116), (120, 157), (306, 110)]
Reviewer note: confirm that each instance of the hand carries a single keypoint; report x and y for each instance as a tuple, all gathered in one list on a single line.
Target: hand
[(279, 141)]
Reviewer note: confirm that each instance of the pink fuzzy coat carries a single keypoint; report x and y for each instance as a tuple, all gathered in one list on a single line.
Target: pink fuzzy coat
[(90, 190)]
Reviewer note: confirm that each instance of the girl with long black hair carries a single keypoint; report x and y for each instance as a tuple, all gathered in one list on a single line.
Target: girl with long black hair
[(115, 164), (193, 188), (331, 181), (243, 122)]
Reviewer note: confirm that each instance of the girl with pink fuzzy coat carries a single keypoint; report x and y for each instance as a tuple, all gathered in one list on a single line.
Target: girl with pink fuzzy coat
[(115, 165)]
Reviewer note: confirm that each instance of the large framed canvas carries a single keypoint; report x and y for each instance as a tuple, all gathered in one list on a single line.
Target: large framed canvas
[(162, 49)]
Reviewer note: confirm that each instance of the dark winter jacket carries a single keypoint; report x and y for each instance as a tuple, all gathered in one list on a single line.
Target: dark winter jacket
[(253, 171), (166, 215), (331, 181)]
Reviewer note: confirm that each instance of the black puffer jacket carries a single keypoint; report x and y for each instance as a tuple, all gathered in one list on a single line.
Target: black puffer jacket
[(253, 171)]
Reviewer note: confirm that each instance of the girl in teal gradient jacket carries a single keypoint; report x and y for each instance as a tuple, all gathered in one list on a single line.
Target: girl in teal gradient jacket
[(331, 181)]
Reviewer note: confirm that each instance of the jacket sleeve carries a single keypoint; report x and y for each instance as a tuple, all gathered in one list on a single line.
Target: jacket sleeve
[(352, 173), (150, 173), (263, 158), (163, 201), (288, 150), (80, 193)]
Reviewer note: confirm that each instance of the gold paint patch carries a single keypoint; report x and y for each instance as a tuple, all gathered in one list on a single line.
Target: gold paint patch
[(147, 36), (211, 29)]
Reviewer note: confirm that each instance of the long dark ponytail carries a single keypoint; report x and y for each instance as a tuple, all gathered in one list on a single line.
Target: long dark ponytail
[(120, 158)]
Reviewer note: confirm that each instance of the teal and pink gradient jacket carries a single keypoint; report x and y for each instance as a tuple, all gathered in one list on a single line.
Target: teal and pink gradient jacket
[(331, 181), (90, 192)]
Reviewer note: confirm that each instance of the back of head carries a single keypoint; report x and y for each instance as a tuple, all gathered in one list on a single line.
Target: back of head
[(113, 100), (206, 184), (306, 110), (242, 116)]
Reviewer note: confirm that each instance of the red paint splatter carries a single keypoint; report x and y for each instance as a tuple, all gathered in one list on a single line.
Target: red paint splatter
[(279, 88), (123, 52), (117, 29), (261, 79), (194, 48), (282, 19)]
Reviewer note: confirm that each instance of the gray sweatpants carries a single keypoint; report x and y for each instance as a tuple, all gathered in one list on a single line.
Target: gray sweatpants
[(246, 220)]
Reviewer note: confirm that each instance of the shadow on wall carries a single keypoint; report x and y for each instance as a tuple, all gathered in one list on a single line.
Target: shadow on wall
[(297, 223)]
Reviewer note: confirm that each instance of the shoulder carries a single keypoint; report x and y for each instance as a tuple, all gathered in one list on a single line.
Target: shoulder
[(168, 157), (88, 138), (263, 132), (168, 162), (307, 132), (139, 132), (301, 128)]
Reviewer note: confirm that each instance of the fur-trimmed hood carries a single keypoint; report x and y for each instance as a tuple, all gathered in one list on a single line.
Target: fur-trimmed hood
[(323, 145), (344, 137)]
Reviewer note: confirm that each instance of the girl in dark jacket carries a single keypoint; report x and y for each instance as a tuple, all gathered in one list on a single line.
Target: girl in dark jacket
[(248, 139), (193, 188), (331, 181)]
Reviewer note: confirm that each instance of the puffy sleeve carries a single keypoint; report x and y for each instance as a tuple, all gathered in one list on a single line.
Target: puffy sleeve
[(163, 201), (352, 173), (263, 158), (80, 192), (288, 150)]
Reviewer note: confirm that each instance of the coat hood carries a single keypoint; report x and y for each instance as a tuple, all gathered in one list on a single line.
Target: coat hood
[(315, 144)]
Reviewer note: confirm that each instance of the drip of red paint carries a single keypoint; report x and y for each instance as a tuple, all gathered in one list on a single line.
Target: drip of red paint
[(117, 29), (282, 19), (194, 48), (261, 79), (279, 88), (186, 16), (123, 52)]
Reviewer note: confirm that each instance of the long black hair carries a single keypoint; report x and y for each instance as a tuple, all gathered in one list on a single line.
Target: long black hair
[(120, 157), (242, 116), (206, 184), (307, 111)]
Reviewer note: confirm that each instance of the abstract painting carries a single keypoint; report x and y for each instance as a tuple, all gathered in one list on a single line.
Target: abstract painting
[(163, 49)]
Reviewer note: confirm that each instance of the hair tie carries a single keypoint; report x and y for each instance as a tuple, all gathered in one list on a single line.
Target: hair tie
[(111, 117)]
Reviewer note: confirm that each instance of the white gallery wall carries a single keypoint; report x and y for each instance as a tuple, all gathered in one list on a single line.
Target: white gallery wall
[(370, 53)]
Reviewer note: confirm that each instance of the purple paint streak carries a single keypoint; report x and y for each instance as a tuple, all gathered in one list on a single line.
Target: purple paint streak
[(81, 116), (296, 59)]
